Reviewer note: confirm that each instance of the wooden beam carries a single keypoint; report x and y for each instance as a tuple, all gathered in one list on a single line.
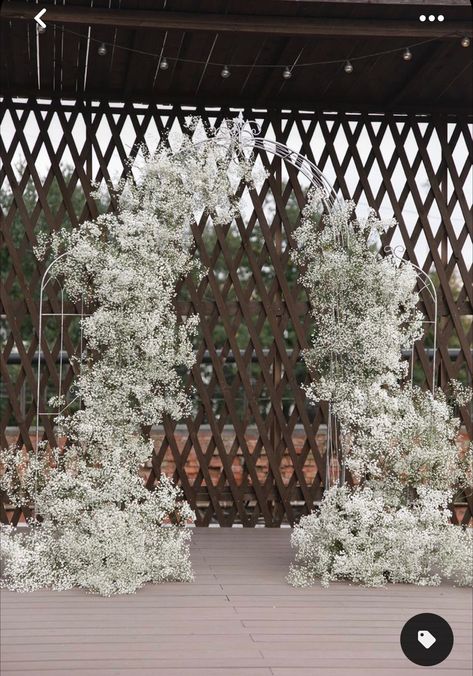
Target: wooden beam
[(377, 3), (425, 108), (221, 23)]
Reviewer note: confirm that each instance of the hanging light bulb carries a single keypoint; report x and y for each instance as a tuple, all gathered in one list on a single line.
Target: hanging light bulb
[(465, 41), (225, 72), (348, 68), (407, 54), (287, 73), (102, 50), (164, 64)]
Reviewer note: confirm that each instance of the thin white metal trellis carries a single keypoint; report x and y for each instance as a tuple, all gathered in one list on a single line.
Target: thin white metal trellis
[(45, 280), (250, 135)]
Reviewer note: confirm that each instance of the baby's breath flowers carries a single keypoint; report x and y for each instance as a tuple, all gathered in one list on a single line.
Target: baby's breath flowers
[(100, 527), (360, 535), (399, 441)]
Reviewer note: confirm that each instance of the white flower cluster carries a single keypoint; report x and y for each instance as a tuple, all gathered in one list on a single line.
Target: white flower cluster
[(358, 535), (90, 540), (23, 472), (403, 437), (100, 527), (399, 441), (363, 305)]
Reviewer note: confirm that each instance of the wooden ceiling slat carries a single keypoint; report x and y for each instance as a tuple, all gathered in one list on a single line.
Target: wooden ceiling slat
[(228, 50), (46, 49), (204, 69), (237, 23)]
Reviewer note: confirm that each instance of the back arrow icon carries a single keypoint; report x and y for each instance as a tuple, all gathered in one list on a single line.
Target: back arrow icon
[(38, 18)]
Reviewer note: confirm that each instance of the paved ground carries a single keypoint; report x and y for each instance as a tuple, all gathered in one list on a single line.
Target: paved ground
[(239, 618)]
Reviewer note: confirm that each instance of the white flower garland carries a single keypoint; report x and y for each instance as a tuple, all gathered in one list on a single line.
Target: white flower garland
[(101, 528), (399, 441)]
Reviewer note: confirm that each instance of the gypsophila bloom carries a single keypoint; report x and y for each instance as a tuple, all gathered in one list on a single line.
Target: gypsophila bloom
[(363, 305), (398, 441), (358, 535), (101, 528)]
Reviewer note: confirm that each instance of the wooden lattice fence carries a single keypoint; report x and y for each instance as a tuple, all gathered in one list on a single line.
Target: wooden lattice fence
[(253, 450)]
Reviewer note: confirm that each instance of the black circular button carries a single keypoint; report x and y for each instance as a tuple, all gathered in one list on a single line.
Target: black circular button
[(426, 639)]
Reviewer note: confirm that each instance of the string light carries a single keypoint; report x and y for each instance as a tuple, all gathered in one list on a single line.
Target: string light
[(225, 72), (407, 54), (102, 50)]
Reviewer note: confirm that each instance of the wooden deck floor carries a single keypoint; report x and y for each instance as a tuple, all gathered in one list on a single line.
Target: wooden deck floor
[(239, 618)]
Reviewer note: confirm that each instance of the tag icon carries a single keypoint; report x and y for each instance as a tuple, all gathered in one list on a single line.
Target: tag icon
[(425, 638)]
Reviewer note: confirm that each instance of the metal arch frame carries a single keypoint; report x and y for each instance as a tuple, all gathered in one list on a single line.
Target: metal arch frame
[(248, 137), (45, 280)]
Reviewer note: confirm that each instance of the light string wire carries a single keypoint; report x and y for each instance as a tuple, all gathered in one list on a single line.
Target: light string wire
[(281, 66)]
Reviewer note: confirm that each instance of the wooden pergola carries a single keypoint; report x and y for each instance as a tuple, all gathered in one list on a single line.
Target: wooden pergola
[(284, 32), (394, 133)]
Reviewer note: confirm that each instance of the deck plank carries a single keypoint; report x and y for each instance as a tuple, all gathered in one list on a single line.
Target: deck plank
[(239, 618)]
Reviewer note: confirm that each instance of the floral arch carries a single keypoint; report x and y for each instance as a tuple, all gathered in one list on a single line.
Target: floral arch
[(397, 442)]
